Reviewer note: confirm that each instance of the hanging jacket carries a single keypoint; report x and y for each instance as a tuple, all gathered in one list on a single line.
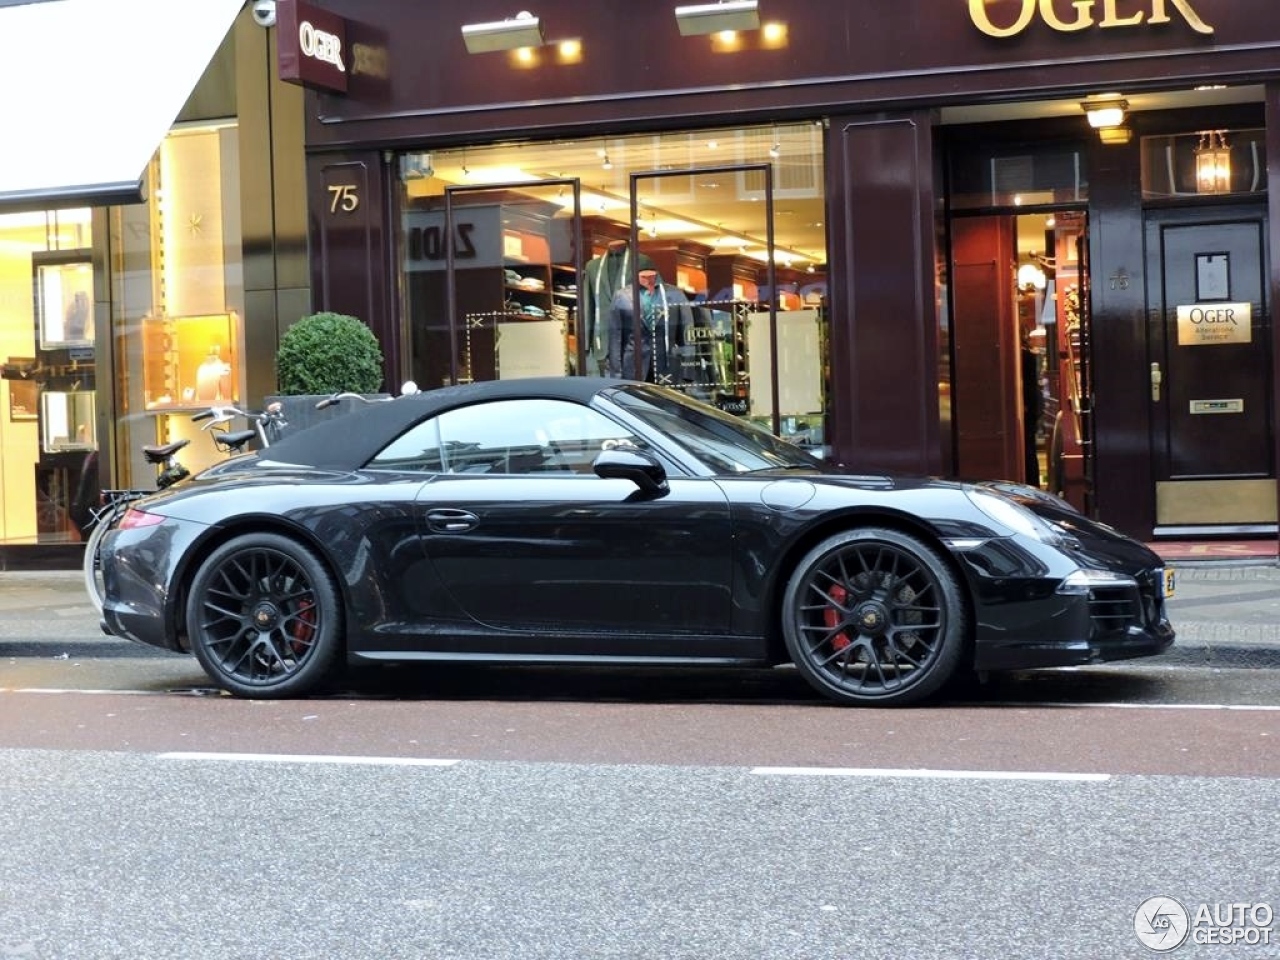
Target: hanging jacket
[(665, 317), (603, 277)]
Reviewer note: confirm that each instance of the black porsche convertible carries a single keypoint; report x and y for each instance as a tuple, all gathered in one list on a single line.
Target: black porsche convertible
[(582, 520)]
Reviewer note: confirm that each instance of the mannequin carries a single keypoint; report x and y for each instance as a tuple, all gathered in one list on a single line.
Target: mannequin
[(665, 318), (603, 277), (213, 377)]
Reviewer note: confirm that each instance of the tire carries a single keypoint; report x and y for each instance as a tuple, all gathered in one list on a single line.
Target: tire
[(874, 617), (264, 617), (91, 564)]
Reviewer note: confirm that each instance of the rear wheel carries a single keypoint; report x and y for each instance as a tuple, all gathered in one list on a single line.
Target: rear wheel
[(264, 617), (874, 617)]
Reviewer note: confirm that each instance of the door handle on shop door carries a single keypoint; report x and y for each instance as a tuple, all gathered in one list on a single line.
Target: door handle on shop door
[(1157, 378)]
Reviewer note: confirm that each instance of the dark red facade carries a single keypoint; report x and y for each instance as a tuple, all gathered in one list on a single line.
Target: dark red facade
[(882, 79)]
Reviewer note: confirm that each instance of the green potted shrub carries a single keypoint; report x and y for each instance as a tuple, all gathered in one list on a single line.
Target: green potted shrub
[(320, 355)]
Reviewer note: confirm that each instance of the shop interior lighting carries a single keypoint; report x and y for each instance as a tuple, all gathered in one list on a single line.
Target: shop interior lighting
[(522, 30), (1105, 113), (698, 19)]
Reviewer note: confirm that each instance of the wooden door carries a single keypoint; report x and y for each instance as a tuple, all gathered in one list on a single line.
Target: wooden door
[(987, 411), (1209, 336)]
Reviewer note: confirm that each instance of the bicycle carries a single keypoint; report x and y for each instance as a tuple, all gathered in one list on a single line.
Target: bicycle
[(267, 425)]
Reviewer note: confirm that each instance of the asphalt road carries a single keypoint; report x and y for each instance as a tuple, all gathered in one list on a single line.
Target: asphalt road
[(487, 814)]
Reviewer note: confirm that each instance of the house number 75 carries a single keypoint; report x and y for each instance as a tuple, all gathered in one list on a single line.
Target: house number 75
[(343, 197)]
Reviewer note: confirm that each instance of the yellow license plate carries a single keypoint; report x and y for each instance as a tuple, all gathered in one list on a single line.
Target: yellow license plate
[(1170, 581)]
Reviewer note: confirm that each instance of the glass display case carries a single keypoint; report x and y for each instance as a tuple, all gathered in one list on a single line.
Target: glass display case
[(190, 361), (67, 421)]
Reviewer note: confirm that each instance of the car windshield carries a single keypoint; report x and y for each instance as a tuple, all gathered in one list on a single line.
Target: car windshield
[(724, 443)]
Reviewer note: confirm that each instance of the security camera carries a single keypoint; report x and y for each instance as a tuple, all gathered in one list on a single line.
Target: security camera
[(264, 13)]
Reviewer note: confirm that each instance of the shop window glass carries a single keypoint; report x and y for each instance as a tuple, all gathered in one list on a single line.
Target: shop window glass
[(538, 269), (1206, 163), (177, 279), (1016, 176), (50, 296)]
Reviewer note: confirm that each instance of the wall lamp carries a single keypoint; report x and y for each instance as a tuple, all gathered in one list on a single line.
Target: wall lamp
[(697, 19), (1106, 113), (522, 30)]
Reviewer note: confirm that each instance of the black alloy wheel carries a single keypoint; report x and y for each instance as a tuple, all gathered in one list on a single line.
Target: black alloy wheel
[(874, 617), (264, 618)]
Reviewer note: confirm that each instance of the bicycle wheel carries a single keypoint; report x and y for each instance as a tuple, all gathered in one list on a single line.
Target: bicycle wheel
[(92, 562)]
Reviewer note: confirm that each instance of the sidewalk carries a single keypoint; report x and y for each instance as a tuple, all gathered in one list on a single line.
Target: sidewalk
[(1225, 611)]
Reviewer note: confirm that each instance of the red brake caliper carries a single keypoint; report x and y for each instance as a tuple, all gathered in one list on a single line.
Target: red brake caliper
[(304, 627), (832, 617)]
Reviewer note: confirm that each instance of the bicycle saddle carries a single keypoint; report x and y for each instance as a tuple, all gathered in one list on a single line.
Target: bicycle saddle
[(234, 439), (162, 453)]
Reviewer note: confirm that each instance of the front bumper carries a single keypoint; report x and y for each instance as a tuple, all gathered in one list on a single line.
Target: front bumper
[(1105, 623)]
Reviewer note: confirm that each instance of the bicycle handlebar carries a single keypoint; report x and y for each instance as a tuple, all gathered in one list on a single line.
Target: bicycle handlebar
[(330, 400), (407, 389)]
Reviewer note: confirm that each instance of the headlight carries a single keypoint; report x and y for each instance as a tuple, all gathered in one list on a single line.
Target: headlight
[(1082, 581), (1014, 516)]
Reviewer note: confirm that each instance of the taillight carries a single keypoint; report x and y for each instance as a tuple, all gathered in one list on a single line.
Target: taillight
[(135, 519)]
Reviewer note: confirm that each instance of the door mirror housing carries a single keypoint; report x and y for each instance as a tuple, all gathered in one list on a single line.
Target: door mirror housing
[(639, 467)]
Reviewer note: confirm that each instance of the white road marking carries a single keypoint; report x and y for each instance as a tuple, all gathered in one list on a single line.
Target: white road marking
[(926, 774), (1003, 704), (1262, 707), (308, 758), (121, 693)]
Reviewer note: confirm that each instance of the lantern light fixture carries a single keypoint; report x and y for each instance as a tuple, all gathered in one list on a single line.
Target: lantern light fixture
[(1213, 163)]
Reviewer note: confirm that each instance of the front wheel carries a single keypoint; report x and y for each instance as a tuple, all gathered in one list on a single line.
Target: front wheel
[(264, 617), (874, 617)]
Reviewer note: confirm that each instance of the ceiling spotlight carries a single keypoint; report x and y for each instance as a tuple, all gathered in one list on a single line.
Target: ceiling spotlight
[(1105, 112), (698, 19), (522, 30)]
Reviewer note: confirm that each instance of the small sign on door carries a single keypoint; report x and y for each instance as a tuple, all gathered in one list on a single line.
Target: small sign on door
[(1204, 324)]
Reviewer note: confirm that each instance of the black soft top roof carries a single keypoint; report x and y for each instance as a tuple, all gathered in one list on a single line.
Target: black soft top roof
[(349, 441)]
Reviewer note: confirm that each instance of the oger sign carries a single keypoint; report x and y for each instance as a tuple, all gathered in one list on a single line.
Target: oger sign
[(312, 46), (1017, 15)]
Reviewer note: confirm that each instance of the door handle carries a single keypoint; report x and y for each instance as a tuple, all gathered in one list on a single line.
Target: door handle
[(452, 521), (1157, 378)]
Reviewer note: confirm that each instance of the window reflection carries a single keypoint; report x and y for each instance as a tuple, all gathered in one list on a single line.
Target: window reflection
[(526, 260)]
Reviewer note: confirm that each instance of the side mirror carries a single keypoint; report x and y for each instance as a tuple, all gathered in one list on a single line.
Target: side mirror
[(637, 466)]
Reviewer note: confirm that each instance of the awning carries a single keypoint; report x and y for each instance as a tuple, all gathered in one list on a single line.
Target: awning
[(90, 88)]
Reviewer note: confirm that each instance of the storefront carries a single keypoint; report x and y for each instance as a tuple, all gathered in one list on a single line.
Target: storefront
[(152, 243), (1032, 239)]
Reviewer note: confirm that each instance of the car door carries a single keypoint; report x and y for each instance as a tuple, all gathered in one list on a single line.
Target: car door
[(527, 538)]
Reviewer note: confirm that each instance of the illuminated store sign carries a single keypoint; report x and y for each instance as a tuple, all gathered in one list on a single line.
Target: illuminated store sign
[(1083, 15)]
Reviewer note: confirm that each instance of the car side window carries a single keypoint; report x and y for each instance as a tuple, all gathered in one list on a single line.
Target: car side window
[(416, 450), (507, 437)]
